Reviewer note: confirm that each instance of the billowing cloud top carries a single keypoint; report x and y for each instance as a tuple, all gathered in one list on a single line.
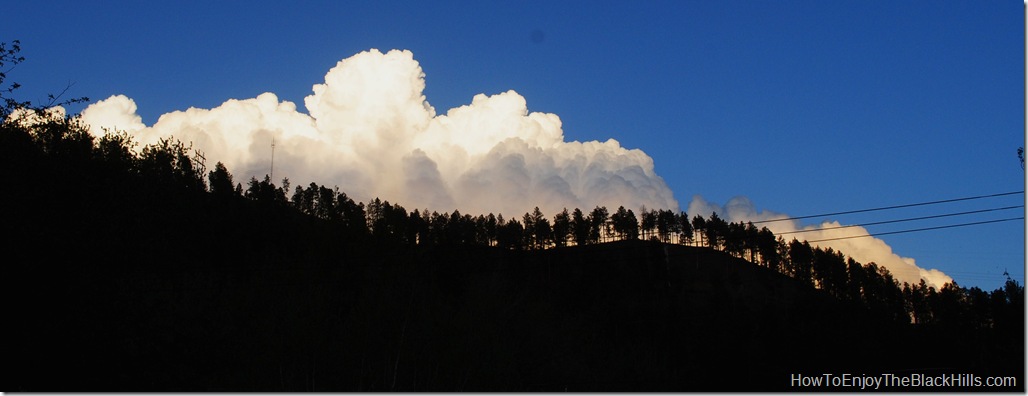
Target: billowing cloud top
[(371, 131)]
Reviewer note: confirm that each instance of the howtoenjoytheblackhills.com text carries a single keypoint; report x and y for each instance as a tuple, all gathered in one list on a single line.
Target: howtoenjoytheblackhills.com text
[(898, 381)]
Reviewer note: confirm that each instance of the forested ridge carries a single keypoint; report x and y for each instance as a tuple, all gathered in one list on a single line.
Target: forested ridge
[(142, 270)]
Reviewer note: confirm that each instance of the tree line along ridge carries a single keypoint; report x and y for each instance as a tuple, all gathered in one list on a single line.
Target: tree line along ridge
[(171, 165)]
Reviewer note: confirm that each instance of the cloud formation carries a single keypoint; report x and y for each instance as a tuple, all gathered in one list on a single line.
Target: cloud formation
[(370, 130), (864, 250)]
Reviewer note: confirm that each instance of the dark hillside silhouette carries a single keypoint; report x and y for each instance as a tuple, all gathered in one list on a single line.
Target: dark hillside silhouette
[(149, 272)]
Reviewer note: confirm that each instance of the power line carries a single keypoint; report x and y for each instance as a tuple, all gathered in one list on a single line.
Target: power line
[(920, 229), (904, 220), (892, 207)]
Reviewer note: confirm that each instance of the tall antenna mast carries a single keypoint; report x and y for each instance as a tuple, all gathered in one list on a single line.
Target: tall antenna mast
[(272, 176)]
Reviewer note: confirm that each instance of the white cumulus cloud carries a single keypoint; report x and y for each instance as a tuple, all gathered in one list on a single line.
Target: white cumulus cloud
[(370, 130)]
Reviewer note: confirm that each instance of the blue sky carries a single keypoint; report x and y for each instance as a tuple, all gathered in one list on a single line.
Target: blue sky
[(804, 107)]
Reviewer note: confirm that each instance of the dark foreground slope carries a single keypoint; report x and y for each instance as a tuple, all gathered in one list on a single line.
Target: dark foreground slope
[(620, 316), (114, 282)]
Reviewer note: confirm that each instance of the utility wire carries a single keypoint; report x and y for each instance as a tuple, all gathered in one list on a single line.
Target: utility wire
[(920, 229), (892, 207), (903, 220)]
